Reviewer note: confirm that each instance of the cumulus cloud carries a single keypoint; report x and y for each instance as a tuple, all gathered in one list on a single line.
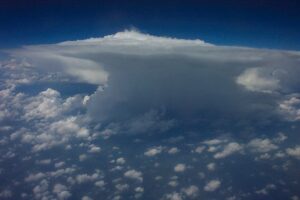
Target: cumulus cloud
[(229, 149), (94, 149), (191, 191), (35, 177), (61, 191), (83, 178), (266, 189), (173, 150), (290, 107), (180, 167), (153, 151), (173, 196), (45, 105), (211, 166), (294, 152), (212, 185), (120, 161), (165, 77), (134, 174), (254, 79), (262, 145)]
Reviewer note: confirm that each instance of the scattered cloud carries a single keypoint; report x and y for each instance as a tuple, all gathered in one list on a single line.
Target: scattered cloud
[(212, 185), (180, 167), (228, 150), (134, 174)]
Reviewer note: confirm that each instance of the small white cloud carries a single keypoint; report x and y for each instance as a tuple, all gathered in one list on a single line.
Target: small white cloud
[(94, 149), (173, 196), (228, 150), (122, 187), (294, 152), (85, 100), (173, 150), (83, 178), (139, 189), (133, 174), (255, 79), (82, 157), (120, 161), (59, 164), (100, 183), (61, 191), (213, 142), (153, 151), (266, 189), (86, 198), (199, 149), (212, 185), (290, 107), (180, 167), (173, 183), (211, 166), (262, 145), (35, 177), (44, 162), (191, 191)]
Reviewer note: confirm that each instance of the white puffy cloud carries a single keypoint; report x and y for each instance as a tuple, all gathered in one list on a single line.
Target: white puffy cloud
[(82, 157), (173, 150), (266, 189), (290, 107), (173, 196), (262, 145), (35, 177), (134, 174), (294, 152), (86, 198), (61, 191), (255, 79), (180, 167), (59, 164), (94, 149), (41, 190), (69, 125), (199, 149), (83, 178), (45, 105), (213, 142), (100, 184), (212, 185), (120, 161), (122, 187), (211, 166), (173, 183), (153, 151), (228, 150), (139, 189), (191, 191)]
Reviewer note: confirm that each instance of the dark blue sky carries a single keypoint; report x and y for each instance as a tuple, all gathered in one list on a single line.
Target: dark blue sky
[(256, 23)]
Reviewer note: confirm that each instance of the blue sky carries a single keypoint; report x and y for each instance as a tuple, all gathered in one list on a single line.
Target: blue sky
[(268, 24)]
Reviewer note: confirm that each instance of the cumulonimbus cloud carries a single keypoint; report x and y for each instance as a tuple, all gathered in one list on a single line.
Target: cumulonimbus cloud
[(189, 80)]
